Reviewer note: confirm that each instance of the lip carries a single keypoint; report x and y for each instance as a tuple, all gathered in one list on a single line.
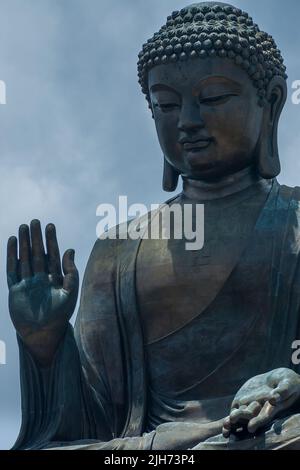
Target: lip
[(198, 145)]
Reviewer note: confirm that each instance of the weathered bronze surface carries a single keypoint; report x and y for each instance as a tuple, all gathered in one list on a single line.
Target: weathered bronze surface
[(177, 349)]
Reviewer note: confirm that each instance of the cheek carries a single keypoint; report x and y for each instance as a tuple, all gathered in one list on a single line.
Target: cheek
[(235, 124), (167, 131)]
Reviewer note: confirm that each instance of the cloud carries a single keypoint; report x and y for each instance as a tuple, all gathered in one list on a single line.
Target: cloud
[(76, 130)]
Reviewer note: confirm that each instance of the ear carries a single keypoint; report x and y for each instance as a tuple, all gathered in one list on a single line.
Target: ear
[(267, 150), (170, 177)]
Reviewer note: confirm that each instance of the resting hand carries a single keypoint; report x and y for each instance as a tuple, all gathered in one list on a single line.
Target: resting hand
[(261, 399)]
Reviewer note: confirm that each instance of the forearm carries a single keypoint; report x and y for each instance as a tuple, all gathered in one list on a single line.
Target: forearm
[(167, 436), (51, 397), (184, 435)]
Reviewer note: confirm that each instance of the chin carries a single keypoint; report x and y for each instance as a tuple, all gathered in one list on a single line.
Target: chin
[(204, 170), (204, 167)]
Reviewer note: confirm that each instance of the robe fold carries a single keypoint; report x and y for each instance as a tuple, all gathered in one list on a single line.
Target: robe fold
[(97, 389)]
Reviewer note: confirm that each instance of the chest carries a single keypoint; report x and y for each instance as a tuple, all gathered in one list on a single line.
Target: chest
[(175, 285), (206, 319)]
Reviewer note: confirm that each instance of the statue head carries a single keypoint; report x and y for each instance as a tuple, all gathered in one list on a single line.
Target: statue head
[(216, 86)]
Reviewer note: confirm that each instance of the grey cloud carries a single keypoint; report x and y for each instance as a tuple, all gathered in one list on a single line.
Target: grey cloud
[(76, 130)]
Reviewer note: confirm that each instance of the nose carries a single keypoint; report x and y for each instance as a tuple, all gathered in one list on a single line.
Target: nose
[(190, 117)]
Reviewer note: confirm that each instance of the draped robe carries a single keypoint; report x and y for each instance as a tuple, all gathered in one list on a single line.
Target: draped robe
[(97, 392)]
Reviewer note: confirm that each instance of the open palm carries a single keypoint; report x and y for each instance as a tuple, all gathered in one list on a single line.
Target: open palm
[(42, 296)]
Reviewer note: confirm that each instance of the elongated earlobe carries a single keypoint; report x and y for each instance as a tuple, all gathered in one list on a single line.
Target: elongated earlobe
[(267, 154), (268, 162), (170, 177)]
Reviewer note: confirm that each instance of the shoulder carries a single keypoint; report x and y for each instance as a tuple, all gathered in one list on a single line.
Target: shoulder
[(289, 198), (112, 243)]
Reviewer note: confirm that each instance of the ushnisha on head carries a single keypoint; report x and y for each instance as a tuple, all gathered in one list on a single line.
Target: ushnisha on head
[(217, 40)]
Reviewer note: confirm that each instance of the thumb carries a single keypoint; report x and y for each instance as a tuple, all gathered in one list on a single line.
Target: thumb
[(71, 278), (281, 392)]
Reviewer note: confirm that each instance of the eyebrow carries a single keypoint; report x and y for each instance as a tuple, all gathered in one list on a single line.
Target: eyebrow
[(162, 87), (205, 81), (216, 79)]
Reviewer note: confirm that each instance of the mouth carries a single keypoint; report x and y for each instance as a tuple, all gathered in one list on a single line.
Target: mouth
[(197, 146)]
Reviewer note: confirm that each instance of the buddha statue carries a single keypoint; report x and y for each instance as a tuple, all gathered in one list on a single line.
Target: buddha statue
[(175, 348)]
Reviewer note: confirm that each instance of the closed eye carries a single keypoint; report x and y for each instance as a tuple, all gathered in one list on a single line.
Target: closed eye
[(165, 107), (219, 99)]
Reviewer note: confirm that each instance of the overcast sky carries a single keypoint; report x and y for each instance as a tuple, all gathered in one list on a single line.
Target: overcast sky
[(76, 131)]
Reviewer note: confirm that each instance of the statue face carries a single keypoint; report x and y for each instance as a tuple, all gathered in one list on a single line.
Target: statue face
[(207, 116)]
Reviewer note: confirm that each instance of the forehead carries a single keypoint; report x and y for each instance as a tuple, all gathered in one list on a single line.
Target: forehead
[(191, 73)]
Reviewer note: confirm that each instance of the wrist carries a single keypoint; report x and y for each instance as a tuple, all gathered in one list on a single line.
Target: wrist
[(43, 344)]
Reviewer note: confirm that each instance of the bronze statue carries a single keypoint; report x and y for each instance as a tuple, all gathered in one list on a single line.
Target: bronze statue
[(177, 349)]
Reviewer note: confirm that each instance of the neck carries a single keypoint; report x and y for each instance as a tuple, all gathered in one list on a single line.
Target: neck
[(204, 190)]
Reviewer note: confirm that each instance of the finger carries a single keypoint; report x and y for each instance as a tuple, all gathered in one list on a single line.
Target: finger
[(245, 413), (71, 278), (254, 408), (263, 418), (275, 398), (235, 404), (281, 392), (261, 396), (25, 252), (53, 254), (12, 261), (239, 414), (226, 427), (38, 252)]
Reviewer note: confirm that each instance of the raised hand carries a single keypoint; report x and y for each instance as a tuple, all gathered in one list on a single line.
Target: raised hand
[(261, 399), (42, 298)]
